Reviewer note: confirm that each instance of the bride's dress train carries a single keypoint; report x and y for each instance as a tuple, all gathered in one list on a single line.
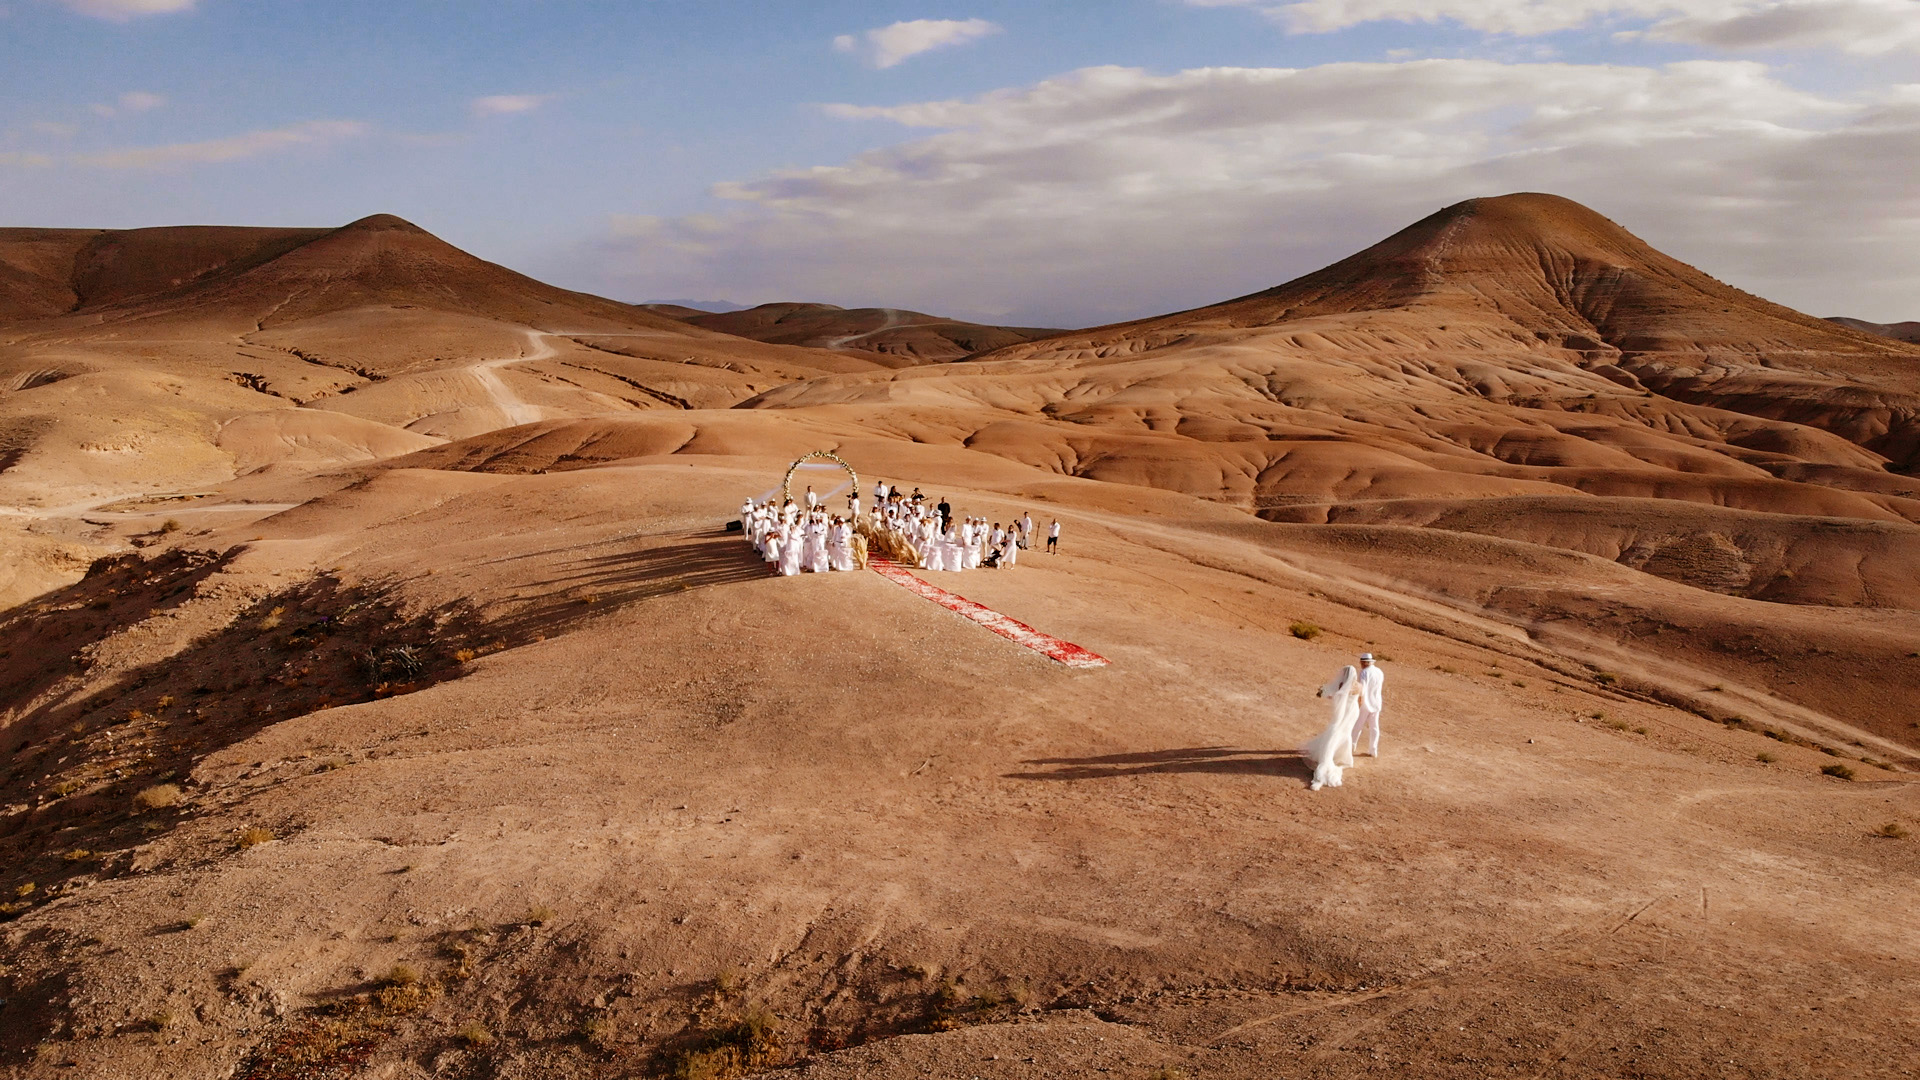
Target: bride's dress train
[(1331, 751)]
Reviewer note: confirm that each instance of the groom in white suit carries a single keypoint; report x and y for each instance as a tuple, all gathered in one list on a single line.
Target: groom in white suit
[(1368, 725)]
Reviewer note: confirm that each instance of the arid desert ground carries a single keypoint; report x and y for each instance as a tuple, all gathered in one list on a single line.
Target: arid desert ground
[(384, 696)]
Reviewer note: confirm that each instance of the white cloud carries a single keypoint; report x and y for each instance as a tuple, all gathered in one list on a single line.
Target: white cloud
[(509, 104), (232, 148), (889, 45), (1112, 192), (1859, 26), (58, 131), (122, 10), (135, 101)]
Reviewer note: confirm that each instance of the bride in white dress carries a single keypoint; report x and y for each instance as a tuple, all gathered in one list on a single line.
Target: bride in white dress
[(1331, 751)]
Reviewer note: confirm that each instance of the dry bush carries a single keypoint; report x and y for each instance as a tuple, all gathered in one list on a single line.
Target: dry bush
[(77, 855), (600, 1032), (1765, 758), (402, 975), (170, 526), (539, 915), (750, 1042), (253, 835), (476, 1034), (67, 787), (465, 656), (1606, 678), (1892, 830), (1619, 725), (1305, 631), (1840, 771), (157, 796)]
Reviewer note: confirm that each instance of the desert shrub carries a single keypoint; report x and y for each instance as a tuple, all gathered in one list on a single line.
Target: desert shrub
[(726, 983), (402, 975), (1618, 725), (1892, 830), (465, 656), (1765, 758), (67, 787), (77, 855), (253, 835), (1605, 678), (475, 1033), (1640, 731), (1305, 631), (539, 915), (749, 1042), (1840, 771), (600, 1032), (170, 526), (157, 796)]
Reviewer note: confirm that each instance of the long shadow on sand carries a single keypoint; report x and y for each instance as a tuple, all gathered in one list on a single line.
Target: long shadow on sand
[(1198, 759), (589, 586)]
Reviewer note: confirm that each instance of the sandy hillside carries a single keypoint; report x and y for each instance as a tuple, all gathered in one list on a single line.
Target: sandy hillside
[(905, 337), (167, 361), (1902, 331), (473, 745)]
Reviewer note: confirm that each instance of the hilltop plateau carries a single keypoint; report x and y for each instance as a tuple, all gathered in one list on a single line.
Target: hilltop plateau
[(384, 694)]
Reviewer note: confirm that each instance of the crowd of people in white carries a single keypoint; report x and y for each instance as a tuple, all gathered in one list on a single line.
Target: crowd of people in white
[(803, 537)]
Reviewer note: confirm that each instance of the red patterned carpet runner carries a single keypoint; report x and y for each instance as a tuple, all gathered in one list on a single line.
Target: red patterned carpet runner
[(1013, 630)]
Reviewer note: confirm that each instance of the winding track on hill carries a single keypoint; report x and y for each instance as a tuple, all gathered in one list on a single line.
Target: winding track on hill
[(516, 408)]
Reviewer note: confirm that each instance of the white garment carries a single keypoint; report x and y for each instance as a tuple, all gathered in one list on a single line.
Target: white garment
[(1367, 726), (1332, 750), (842, 543), (789, 551), (817, 561)]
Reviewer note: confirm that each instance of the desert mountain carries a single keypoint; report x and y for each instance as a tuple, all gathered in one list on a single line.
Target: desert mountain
[(1901, 331), (907, 336), (162, 360), (383, 693)]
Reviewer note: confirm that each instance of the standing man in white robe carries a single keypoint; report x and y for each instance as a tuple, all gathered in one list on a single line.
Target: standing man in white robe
[(1368, 724)]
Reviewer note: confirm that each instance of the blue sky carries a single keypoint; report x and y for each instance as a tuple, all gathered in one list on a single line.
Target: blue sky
[(1063, 163)]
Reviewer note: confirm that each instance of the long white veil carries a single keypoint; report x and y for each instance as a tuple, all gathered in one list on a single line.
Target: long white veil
[(1334, 745)]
